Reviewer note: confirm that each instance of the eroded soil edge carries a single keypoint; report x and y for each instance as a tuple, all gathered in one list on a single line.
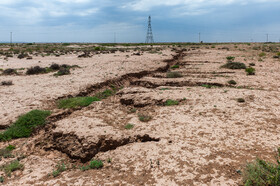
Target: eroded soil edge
[(84, 148)]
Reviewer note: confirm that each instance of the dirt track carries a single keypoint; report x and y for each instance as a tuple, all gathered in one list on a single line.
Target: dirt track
[(205, 140)]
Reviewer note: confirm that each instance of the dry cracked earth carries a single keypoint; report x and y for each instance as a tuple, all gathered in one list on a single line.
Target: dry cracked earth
[(204, 140)]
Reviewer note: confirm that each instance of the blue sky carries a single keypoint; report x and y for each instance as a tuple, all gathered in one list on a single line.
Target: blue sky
[(172, 20)]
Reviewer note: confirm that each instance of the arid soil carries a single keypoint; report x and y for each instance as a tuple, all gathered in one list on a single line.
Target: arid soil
[(30, 92), (204, 140)]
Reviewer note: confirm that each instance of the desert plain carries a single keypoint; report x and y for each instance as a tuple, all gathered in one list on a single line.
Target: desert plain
[(168, 114)]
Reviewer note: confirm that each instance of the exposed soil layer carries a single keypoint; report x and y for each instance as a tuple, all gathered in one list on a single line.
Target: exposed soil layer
[(84, 147), (154, 83), (79, 148)]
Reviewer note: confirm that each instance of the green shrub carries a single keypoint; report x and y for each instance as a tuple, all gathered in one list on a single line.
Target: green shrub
[(261, 172), (98, 48), (65, 66), (262, 54), (144, 117), (234, 65), (62, 71), (129, 126), (76, 102), (175, 66), (207, 86), (171, 102), (84, 168), (25, 125), (174, 75), (55, 173), (105, 94), (250, 71), (59, 169), (132, 110), (65, 44), (85, 101), (11, 147), (164, 89), (5, 153), (12, 166), (232, 82), (1, 179), (95, 164), (230, 58)]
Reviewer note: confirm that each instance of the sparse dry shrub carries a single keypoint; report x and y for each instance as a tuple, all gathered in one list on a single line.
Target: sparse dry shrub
[(10, 71), (174, 75), (35, 70), (7, 83), (234, 65)]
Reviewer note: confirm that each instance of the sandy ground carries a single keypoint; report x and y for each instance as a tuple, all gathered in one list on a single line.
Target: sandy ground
[(30, 92), (205, 140)]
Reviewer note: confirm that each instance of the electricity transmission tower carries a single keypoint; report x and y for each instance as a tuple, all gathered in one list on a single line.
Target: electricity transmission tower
[(149, 37), (267, 38)]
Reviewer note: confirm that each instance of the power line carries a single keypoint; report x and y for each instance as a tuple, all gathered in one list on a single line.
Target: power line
[(11, 38), (115, 39)]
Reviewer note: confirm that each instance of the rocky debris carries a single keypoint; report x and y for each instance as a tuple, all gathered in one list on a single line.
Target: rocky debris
[(137, 54), (140, 101), (22, 55), (84, 55)]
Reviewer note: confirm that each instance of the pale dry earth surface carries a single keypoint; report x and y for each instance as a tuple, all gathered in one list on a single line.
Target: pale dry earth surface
[(29, 92), (204, 140)]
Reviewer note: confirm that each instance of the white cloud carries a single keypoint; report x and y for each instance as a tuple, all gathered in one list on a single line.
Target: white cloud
[(34, 11), (145, 5), (87, 12), (8, 2), (21, 17), (74, 1), (187, 7), (55, 13)]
